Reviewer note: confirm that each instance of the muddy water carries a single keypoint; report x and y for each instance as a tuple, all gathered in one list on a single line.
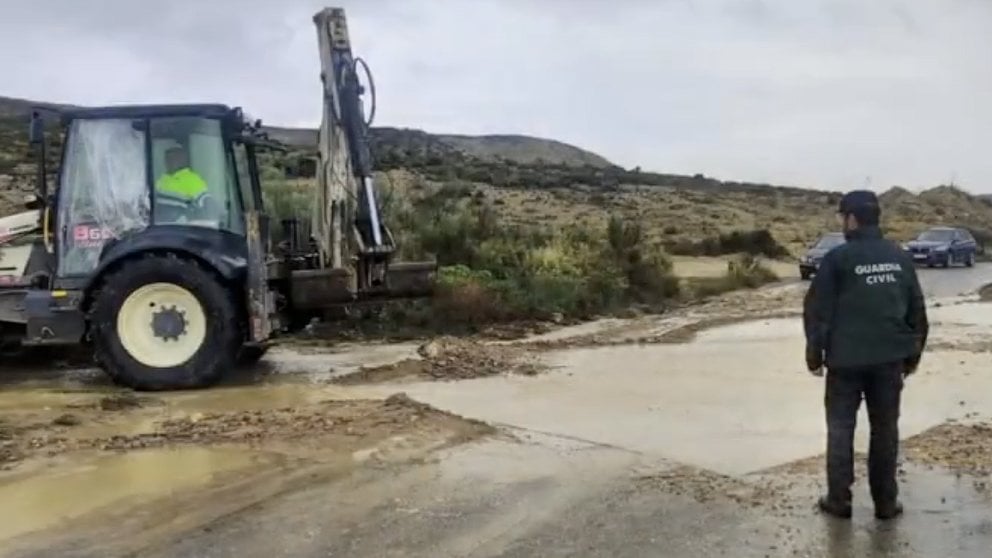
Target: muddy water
[(46, 491), (91, 483), (735, 399)]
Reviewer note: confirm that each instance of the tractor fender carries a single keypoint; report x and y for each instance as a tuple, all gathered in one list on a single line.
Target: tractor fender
[(224, 252)]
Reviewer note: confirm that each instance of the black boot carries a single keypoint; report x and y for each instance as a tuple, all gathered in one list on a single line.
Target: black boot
[(834, 507), (888, 511)]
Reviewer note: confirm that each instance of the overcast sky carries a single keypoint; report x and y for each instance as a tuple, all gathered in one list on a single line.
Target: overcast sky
[(825, 93)]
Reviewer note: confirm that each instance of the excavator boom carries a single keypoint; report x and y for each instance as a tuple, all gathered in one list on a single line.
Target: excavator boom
[(346, 189), (347, 224)]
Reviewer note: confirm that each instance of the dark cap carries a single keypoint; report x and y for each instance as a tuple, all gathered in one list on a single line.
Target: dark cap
[(858, 200)]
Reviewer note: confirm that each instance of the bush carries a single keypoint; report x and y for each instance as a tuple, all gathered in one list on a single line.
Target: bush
[(757, 242), (498, 272), (466, 297), (743, 272), (749, 272)]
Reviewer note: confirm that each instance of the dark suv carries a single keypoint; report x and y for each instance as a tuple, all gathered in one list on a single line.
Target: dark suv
[(943, 246), (810, 262)]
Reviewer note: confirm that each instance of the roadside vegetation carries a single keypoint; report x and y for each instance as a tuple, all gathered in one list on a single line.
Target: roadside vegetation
[(494, 272)]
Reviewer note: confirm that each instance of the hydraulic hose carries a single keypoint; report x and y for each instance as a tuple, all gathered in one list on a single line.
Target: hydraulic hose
[(372, 96)]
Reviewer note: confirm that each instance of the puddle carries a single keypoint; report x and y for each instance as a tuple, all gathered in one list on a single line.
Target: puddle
[(580, 330), (742, 389), (258, 397), (16, 399), (319, 364), (42, 500)]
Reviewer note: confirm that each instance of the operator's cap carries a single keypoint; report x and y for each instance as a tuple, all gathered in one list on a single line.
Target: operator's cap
[(856, 200)]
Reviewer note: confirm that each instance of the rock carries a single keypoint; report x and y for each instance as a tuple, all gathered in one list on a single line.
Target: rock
[(120, 402), (67, 420), (430, 350)]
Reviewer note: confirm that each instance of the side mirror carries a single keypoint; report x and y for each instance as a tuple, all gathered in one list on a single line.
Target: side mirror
[(36, 131), (33, 202)]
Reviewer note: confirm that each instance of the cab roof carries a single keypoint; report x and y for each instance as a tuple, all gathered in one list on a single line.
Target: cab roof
[(149, 111)]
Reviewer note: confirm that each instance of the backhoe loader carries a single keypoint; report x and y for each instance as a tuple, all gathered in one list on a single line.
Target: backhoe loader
[(154, 247)]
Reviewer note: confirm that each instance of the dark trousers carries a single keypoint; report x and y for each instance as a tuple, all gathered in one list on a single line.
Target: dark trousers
[(881, 387)]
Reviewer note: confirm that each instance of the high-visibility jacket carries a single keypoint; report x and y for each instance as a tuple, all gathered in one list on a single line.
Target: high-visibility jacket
[(184, 183)]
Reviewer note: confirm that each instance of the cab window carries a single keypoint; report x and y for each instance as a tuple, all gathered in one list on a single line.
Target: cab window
[(194, 177)]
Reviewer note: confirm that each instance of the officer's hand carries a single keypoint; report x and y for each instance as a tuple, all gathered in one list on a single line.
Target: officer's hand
[(910, 366), (814, 361)]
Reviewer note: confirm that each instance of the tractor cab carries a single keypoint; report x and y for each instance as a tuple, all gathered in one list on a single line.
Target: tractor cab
[(129, 170), (152, 247)]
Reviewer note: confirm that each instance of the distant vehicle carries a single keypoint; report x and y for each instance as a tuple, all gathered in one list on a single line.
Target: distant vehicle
[(943, 246), (810, 262)]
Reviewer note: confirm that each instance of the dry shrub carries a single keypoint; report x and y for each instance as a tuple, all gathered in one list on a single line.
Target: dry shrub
[(467, 303)]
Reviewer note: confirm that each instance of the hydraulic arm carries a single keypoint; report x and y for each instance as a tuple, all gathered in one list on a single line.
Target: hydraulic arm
[(349, 223)]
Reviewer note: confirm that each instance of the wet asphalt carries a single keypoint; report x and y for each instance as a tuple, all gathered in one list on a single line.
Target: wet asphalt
[(557, 498), (954, 281)]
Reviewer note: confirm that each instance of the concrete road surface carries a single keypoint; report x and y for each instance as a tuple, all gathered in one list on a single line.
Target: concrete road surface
[(549, 497), (710, 447)]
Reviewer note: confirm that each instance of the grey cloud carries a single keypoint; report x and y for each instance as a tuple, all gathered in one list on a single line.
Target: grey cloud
[(811, 92)]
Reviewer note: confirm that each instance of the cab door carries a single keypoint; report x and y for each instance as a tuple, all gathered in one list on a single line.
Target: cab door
[(260, 299)]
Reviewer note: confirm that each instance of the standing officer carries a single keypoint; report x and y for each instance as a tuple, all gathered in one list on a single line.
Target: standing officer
[(865, 319)]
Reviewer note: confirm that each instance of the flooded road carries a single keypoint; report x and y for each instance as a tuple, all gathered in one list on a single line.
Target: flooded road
[(695, 434), (955, 281)]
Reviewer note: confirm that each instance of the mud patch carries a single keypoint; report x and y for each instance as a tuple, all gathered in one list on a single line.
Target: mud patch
[(961, 448), (9, 450), (683, 333), (113, 403), (985, 293), (124, 401), (769, 494), (67, 419), (449, 359), (329, 424), (968, 346), (815, 466), (326, 336)]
